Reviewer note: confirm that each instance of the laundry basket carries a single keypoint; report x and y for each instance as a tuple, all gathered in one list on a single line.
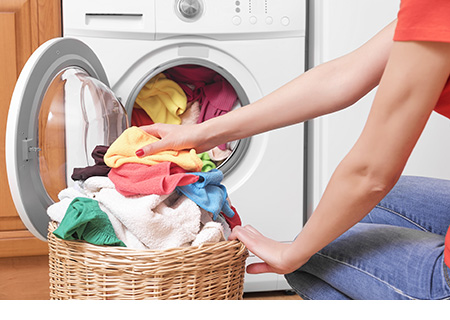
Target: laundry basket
[(79, 270)]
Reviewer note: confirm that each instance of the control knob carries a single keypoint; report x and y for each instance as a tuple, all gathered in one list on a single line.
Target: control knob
[(190, 9)]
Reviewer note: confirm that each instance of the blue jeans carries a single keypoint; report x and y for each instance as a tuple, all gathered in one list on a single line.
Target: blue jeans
[(395, 252)]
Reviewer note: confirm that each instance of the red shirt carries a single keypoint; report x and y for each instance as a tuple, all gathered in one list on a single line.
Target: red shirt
[(428, 20)]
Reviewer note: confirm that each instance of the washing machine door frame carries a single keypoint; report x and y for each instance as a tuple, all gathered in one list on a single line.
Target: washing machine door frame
[(21, 147), (241, 146)]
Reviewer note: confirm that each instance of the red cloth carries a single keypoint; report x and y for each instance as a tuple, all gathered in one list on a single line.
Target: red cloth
[(233, 221), (428, 20), (215, 94), (132, 179), (139, 117)]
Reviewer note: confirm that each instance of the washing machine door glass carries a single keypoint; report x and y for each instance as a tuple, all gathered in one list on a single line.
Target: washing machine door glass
[(61, 110)]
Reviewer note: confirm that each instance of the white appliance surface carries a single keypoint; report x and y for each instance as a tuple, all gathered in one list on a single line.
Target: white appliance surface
[(338, 28)]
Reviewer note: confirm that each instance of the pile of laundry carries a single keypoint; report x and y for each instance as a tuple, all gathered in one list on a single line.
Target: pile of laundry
[(187, 94), (159, 201)]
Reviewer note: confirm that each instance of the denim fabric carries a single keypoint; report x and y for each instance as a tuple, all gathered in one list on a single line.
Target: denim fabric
[(395, 252)]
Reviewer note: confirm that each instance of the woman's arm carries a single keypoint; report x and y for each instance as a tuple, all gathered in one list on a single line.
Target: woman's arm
[(410, 87), (321, 90)]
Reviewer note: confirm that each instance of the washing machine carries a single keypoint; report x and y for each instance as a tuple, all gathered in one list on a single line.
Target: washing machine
[(80, 90)]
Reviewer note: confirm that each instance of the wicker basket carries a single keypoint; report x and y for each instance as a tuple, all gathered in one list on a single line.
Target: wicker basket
[(79, 270)]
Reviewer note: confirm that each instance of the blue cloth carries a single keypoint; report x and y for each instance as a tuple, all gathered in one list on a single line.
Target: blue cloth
[(208, 193), (395, 252)]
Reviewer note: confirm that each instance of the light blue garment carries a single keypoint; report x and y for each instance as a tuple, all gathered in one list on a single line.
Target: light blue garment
[(395, 252), (208, 193)]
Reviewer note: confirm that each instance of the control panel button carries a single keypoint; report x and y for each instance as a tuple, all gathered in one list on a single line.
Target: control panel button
[(236, 20), (269, 20), (253, 20), (285, 21)]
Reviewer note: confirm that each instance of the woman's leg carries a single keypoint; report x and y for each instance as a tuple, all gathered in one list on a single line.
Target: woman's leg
[(398, 254), (415, 202), (372, 261)]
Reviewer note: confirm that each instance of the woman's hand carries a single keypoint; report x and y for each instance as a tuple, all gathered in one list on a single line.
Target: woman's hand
[(276, 255), (176, 137)]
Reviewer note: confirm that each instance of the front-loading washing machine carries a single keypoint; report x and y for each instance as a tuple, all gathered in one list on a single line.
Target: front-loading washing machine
[(80, 91)]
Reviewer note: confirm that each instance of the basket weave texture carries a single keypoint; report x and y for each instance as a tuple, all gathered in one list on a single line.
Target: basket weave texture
[(79, 270)]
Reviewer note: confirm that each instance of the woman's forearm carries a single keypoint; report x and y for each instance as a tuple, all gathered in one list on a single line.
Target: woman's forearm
[(324, 89)]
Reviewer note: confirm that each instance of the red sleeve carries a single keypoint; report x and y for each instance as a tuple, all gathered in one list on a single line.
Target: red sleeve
[(423, 20)]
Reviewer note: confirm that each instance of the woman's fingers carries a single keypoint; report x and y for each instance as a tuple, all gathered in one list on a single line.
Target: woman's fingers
[(260, 267)]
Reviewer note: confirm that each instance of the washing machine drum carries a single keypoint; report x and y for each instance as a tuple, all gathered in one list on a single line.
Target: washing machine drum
[(61, 110)]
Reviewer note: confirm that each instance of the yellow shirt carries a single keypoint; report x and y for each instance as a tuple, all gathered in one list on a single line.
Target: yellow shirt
[(163, 100)]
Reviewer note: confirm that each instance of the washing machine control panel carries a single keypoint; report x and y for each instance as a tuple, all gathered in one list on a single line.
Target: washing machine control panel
[(163, 19), (230, 19)]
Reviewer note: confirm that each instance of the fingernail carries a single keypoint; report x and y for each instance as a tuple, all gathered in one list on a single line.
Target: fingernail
[(140, 153)]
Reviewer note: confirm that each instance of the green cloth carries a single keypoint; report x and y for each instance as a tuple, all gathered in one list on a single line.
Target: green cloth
[(84, 220), (208, 165)]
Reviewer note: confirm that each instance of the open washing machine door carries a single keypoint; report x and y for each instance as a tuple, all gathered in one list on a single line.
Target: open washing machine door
[(60, 110)]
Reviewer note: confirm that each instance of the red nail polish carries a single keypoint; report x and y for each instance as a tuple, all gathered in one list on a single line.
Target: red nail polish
[(140, 153)]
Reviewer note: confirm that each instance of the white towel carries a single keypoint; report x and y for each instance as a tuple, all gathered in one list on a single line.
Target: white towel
[(146, 222), (57, 210), (211, 232), (156, 223), (88, 189)]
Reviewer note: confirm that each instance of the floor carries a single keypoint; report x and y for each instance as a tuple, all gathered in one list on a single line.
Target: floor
[(272, 295)]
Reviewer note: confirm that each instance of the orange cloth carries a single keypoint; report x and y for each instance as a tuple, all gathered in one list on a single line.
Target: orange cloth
[(428, 20), (123, 150)]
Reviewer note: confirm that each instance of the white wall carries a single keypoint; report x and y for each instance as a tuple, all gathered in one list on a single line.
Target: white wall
[(339, 27)]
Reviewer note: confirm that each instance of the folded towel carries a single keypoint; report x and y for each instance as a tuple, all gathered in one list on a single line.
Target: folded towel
[(123, 150), (208, 193), (163, 100), (139, 179), (84, 220)]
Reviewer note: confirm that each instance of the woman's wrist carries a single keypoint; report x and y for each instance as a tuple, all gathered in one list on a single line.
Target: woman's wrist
[(294, 258), (217, 131)]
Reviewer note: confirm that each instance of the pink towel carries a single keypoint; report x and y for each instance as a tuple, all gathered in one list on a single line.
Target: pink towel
[(132, 179), (214, 92)]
